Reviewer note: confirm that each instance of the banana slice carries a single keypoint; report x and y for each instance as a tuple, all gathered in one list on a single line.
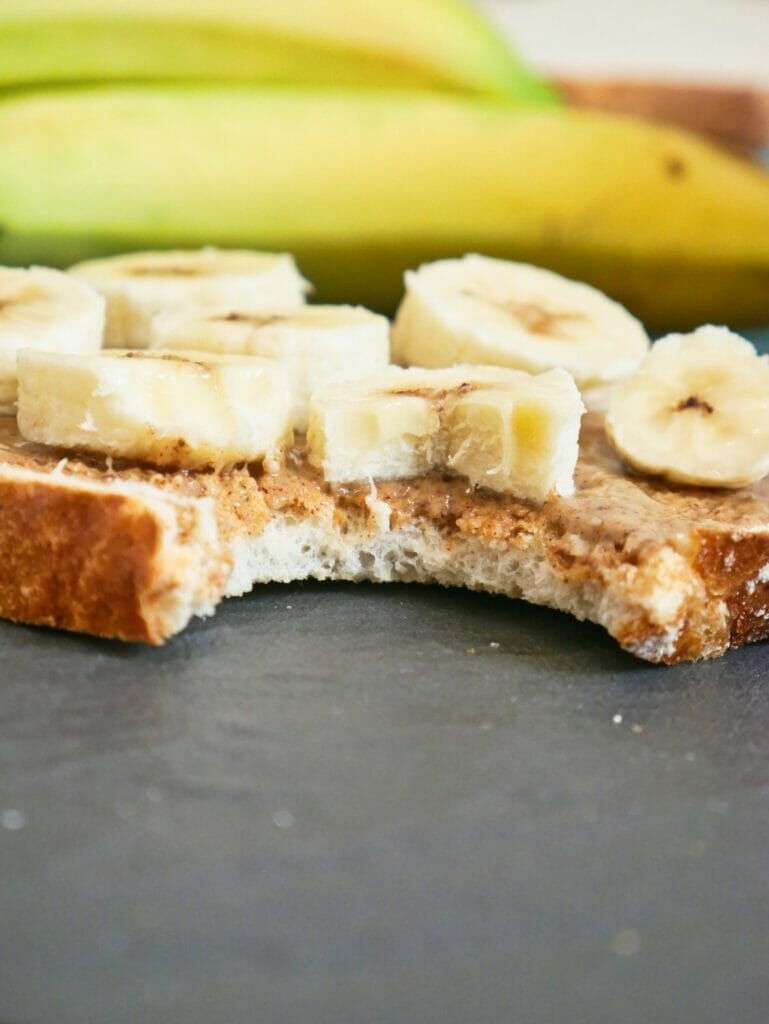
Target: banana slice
[(502, 429), (139, 285), (44, 309), (697, 411), (318, 344), (187, 410), (491, 311)]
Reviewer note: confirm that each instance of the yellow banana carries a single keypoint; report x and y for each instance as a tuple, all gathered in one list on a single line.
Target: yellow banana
[(441, 44), (362, 185)]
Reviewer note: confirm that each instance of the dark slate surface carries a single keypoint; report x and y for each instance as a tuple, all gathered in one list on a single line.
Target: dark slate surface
[(319, 807)]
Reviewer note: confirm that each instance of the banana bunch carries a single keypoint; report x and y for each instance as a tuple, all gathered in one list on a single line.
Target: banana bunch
[(362, 185), (366, 138)]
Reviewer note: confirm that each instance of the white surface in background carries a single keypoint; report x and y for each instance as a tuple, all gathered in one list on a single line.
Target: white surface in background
[(725, 40)]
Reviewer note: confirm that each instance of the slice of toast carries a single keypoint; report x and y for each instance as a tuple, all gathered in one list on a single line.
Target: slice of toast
[(130, 552)]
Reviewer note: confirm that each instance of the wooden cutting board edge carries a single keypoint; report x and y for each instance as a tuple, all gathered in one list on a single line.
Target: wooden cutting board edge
[(737, 116)]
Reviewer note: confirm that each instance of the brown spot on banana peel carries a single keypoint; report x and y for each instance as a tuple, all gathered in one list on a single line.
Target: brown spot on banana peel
[(675, 167)]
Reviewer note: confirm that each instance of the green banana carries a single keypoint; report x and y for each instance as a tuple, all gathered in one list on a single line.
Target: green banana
[(363, 185), (441, 44)]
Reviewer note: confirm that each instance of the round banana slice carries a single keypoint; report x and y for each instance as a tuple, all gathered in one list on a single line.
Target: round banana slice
[(44, 309), (184, 409), (697, 411), (318, 345), (139, 285), (483, 310)]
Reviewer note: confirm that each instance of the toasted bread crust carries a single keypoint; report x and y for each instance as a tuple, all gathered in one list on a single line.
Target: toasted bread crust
[(87, 558), (672, 573), (77, 560)]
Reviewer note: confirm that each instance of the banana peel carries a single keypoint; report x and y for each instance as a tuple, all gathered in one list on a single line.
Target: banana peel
[(362, 185), (439, 44)]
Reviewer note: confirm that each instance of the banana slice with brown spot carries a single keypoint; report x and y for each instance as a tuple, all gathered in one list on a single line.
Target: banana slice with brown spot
[(139, 285), (502, 429), (491, 311), (696, 411)]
